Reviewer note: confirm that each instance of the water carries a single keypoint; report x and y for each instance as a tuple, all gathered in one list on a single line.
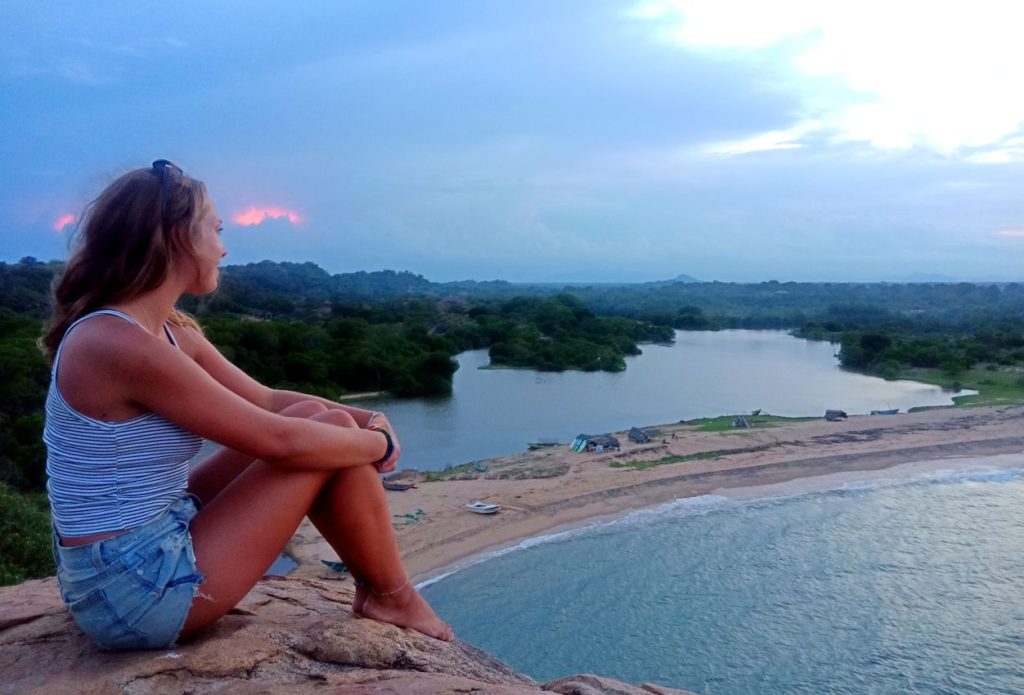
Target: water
[(495, 412), (894, 586)]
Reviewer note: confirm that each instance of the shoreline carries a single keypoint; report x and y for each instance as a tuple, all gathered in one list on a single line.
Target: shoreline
[(905, 472), (551, 491)]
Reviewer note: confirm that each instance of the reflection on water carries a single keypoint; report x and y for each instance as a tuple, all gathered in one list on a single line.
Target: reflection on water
[(494, 412)]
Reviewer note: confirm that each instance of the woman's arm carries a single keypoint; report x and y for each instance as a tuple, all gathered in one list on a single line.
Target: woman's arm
[(281, 399), (160, 378), (207, 356), (231, 377)]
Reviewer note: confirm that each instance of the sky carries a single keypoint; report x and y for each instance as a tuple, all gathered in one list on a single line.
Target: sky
[(537, 141)]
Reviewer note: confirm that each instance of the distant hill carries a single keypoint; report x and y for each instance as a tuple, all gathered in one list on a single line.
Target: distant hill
[(678, 279), (304, 290), (927, 277)]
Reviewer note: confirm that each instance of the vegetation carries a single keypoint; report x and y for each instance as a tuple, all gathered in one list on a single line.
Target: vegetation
[(680, 458), (983, 352), (24, 376), (724, 423), (561, 333), (293, 325), (995, 385), (448, 471), (25, 547)]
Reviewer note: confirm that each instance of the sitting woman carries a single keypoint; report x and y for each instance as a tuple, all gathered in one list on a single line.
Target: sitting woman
[(148, 550)]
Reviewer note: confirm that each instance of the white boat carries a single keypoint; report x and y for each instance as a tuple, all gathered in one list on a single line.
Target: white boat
[(483, 508)]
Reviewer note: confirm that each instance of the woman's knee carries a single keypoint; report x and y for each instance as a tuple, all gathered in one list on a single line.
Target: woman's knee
[(306, 409), (335, 417)]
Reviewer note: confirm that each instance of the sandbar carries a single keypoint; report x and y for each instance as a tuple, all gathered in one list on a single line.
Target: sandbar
[(554, 488)]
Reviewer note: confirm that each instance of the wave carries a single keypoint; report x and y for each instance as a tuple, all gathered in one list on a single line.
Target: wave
[(713, 503)]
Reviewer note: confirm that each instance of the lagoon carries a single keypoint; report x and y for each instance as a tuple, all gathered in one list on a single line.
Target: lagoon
[(495, 412)]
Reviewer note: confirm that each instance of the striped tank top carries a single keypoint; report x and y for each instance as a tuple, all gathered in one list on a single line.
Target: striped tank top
[(111, 476)]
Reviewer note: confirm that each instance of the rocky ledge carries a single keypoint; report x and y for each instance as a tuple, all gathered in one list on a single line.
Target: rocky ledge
[(286, 636)]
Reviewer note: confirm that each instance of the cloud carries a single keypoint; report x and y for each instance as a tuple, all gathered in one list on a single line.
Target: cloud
[(1013, 233), (63, 221), (82, 73), (257, 215), (904, 75), (772, 140)]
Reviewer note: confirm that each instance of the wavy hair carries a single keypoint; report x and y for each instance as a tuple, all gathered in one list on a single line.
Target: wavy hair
[(127, 243)]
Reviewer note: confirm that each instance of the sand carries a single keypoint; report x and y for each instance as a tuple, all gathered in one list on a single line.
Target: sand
[(556, 488)]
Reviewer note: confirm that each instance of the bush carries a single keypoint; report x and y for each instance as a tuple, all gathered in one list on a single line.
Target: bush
[(25, 537)]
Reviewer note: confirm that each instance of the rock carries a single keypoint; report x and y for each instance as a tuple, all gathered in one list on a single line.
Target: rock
[(287, 636)]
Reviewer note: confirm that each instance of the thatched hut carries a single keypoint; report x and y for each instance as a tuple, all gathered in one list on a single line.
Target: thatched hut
[(594, 442)]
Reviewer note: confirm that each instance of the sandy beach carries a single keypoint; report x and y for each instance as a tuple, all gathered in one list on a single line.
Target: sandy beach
[(554, 488)]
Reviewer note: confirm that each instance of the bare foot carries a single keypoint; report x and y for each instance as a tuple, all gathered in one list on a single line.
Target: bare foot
[(407, 608), (362, 591)]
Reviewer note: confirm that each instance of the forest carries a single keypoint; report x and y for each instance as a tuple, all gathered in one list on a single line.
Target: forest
[(294, 325)]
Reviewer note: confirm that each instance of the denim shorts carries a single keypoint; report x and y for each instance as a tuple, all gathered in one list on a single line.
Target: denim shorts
[(133, 591)]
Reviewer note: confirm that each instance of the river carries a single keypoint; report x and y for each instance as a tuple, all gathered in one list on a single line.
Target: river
[(495, 412)]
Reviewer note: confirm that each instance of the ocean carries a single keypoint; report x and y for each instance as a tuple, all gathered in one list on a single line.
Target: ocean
[(902, 581)]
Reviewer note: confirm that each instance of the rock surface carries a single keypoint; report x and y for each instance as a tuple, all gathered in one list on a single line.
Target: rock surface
[(286, 636)]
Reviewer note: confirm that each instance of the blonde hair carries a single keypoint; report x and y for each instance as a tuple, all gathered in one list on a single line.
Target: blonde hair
[(127, 243)]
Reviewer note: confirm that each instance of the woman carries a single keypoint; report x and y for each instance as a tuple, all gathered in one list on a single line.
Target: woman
[(147, 550)]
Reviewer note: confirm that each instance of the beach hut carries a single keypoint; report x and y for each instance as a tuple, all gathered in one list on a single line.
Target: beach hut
[(605, 441), (638, 436), (580, 443), (590, 442)]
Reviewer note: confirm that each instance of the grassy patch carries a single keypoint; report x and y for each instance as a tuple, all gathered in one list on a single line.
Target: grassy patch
[(450, 472), (681, 458), (999, 386), (723, 423)]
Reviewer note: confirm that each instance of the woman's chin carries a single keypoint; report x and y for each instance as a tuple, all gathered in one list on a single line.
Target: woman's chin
[(205, 288)]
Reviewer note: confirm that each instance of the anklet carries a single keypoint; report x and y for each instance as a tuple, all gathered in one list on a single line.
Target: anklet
[(389, 593)]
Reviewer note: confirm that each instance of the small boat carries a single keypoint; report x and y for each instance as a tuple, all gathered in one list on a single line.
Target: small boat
[(336, 566), (890, 411), (479, 507), (542, 444), (397, 486), (479, 467)]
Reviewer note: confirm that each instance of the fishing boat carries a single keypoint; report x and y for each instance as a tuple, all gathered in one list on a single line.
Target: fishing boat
[(541, 444), (397, 486), (480, 468), (479, 507), (890, 411)]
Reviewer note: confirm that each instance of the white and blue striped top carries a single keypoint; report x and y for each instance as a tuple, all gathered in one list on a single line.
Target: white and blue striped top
[(111, 476)]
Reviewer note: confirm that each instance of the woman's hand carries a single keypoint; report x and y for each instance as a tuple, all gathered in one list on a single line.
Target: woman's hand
[(380, 421)]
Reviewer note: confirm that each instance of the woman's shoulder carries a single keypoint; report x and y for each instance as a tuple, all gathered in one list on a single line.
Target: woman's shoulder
[(104, 339), (99, 359), (188, 339)]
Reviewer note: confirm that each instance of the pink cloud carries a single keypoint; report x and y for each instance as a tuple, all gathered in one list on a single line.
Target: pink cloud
[(63, 221), (256, 215)]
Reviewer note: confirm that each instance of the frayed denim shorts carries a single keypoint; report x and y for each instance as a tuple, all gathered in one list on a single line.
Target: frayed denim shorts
[(133, 591)]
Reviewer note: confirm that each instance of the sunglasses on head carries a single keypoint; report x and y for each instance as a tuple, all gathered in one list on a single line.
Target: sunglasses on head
[(160, 169)]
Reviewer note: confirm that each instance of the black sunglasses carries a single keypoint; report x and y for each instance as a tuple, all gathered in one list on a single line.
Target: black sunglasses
[(160, 169)]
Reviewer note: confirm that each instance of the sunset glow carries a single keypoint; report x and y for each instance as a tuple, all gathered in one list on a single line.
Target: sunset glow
[(254, 215), (63, 221)]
